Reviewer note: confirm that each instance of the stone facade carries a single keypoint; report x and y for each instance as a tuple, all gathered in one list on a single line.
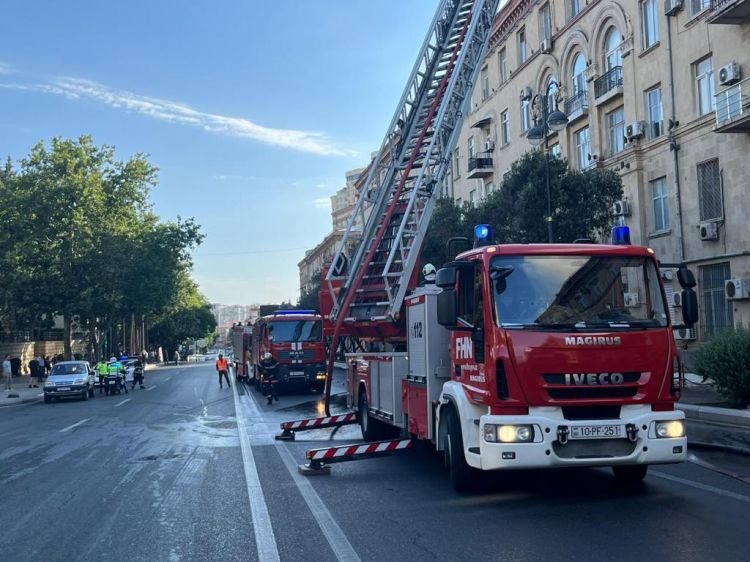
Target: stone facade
[(314, 260), (619, 65)]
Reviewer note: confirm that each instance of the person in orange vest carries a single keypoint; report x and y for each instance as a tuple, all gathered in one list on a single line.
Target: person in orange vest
[(222, 367)]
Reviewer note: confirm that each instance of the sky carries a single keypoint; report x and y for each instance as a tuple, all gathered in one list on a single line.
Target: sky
[(252, 111)]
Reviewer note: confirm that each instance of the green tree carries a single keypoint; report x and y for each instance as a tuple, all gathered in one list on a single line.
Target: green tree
[(310, 300)]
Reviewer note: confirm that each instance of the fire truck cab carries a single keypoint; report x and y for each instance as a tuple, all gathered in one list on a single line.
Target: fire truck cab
[(295, 339)]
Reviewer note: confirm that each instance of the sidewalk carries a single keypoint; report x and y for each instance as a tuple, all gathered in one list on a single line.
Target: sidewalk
[(21, 388), (712, 424)]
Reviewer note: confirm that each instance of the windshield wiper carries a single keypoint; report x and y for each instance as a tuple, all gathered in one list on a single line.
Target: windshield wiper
[(622, 324), (567, 327)]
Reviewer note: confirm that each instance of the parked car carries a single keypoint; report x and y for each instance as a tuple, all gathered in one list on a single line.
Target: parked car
[(69, 378)]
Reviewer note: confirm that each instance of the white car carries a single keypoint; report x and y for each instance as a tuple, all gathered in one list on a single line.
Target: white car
[(69, 378)]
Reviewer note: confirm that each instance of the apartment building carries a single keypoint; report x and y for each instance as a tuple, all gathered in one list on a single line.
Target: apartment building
[(343, 201), (651, 89)]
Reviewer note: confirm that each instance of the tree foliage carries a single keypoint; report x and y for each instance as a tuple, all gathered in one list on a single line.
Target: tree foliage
[(580, 202), (79, 238)]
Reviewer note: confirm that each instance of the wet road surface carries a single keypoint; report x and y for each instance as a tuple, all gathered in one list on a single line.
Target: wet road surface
[(187, 471)]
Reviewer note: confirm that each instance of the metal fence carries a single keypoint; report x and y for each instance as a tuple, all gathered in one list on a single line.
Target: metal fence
[(733, 103)]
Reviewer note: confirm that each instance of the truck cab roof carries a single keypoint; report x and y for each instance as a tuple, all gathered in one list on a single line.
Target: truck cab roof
[(556, 250)]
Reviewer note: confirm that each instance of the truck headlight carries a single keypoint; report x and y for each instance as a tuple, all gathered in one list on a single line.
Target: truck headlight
[(670, 429), (508, 433)]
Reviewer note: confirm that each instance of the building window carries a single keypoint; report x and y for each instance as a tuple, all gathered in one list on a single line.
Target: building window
[(697, 6), (555, 150), (574, 8), (650, 20), (457, 163), (545, 23), (704, 85), (490, 187), (661, 204), (579, 74), (525, 115), (472, 148), (709, 190), (583, 148), (485, 84), (655, 114), (505, 127), (522, 50), (473, 201), (502, 66), (612, 49), (717, 310), (616, 127)]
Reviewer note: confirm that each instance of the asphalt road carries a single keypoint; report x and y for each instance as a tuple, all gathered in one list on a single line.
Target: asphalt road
[(186, 471)]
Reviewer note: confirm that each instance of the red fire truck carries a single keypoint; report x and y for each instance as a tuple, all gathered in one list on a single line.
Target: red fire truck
[(295, 339), (241, 338)]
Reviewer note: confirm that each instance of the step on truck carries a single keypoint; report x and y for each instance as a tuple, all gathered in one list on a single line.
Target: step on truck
[(295, 339), (534, 356)]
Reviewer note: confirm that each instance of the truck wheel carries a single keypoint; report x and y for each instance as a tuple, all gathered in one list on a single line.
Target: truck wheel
[(372, 429), (463, 477), (630, 474)]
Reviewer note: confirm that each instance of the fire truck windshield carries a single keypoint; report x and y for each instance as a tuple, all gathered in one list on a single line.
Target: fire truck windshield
[(296, 330), (577, 292)]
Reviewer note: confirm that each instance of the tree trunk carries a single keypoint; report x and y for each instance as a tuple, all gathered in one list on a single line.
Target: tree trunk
[(67, 336)]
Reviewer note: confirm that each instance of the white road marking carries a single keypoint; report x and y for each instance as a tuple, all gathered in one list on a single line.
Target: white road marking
[(165, 380), (74, 425), (336, 538), (121, 403), (151, 387), (40, 394), (699, 486), (265, 541)]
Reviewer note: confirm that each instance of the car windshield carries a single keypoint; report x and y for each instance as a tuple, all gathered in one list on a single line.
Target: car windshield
[(69, 369), (296, 330), (577, 292)]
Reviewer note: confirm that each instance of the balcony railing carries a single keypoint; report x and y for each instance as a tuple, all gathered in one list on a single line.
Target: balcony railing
[(480, 165), (577, 105), (608, 81), (733, 107), (735, 12)]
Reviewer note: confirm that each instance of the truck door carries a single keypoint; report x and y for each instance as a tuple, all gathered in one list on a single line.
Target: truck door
[(468, 342)]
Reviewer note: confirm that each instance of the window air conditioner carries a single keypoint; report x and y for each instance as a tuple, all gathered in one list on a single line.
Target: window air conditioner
[(621, 208), (684, 334), (676, 300), (671, 7), (525, 93), (635, 130), (630, 300), (546, 46), (730, 74), (736, 289), (709, 231)]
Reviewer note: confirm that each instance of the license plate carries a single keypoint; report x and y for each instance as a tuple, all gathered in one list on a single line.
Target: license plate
[(596, 432), (63, 388), (296, 373)]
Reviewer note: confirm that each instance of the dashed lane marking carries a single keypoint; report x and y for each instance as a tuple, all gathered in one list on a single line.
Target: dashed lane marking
[(151, 387), (121, 403), (699, 486), (74, 425)]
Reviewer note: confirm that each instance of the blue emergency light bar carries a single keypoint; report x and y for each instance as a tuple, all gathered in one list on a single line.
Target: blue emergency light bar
[(482, 235), (621, 235), (294, 312)]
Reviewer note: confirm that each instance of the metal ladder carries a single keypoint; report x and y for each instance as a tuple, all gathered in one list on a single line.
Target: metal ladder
[(405, 178)]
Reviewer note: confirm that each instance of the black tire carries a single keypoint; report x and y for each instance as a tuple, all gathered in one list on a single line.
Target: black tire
[(91, 392), (630, 475), (372, 429), (85, 395), (47, 399), (463, 477)]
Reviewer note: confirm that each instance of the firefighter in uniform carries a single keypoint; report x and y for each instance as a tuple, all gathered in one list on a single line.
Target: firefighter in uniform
[(270, 369)]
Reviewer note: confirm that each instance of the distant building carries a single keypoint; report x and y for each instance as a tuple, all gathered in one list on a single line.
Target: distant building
[(344, 200)]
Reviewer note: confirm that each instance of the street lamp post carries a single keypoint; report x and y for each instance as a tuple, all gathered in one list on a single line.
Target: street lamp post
[(554, 121)]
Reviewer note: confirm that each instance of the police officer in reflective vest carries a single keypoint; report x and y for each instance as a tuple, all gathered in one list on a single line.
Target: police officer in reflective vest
[(102, 370)]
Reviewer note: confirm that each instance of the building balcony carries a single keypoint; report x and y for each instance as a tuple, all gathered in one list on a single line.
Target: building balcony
[(480, 166), (577, 106), (733, 108), (730, 12), (608, 85)]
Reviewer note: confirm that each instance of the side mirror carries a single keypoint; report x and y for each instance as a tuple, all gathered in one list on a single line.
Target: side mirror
[(689, 306), (447, 306), (686, 278), (446, 277)]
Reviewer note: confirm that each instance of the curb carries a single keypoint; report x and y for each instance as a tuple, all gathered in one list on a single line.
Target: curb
[(17, 401), (339, 364), (740, 418), (718, 447)]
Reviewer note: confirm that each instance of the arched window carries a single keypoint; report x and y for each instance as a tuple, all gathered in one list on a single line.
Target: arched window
[(612, 49), (550, 85), (579, 77)]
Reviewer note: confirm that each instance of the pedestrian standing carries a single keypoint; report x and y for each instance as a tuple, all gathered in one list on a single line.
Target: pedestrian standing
[(41, 371), (176, 357), (222, 367), (33, 373), (7, 372)]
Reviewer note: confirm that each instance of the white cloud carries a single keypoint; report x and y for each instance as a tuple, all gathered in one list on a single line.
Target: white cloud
[(183, 114), (5, 68), (322, 203)]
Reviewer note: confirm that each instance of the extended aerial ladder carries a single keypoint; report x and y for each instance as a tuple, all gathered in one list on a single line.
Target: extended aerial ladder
[(405, 178)]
